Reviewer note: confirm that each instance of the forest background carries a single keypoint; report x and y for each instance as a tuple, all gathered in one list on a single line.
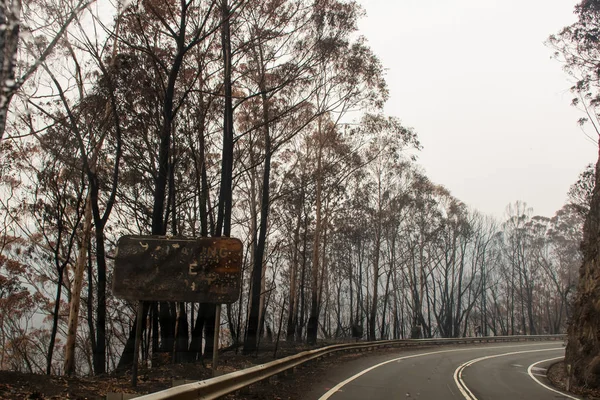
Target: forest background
[(260, 120)]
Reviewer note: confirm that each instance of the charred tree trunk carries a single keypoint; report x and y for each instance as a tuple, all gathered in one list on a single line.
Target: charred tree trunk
[(55, 315), (293, 313), (90, 299), (302, 312), (316, 267), (225, 194), (313, 320), (100, 350), (376, 257), (223, 225), (195, 348), (254, 319), (126, 359)]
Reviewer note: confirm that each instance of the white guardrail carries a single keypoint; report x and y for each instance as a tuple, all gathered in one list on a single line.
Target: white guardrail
[(222, 385)]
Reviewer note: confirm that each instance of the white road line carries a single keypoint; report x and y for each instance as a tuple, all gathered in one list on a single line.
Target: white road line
[(538, 369), (467, 394), (337, 387), (533, 367)]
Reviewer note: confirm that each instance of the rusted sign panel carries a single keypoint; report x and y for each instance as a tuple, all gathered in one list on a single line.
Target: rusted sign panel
[(159, 268)]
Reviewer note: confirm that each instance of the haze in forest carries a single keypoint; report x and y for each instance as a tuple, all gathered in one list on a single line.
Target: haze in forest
[(491, 107), (206, 119)]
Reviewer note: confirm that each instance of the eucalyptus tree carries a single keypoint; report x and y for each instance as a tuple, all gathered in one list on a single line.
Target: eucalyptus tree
[(339, 159), (471, 311), (143, 83), (397, 201), (58, 210), (30, 33), (168, 41), (274, 110), (518, 236), (555, 245), (46, 216), (423, 228), (566, 234), (88, 113), (482, 255), (288, 44), (450, 261), (496, 307), (294, 213), (18, 348), (347, 76), (335, 158), (354, 234), (384, 168)]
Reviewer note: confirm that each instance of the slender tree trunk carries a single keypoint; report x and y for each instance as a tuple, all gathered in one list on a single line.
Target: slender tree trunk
[(292, 314), (195, 347), (376, 256), (351, 289), (258, 270), (384, 330), (313, 320), (225, 194), (300, 325), (90, 300), (182, 335), (126, 359), (100, 353), (223, 226), (69, 363), (56, 313)]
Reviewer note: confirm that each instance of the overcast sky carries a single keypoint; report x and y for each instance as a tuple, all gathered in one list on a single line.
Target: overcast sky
[(492, 109)]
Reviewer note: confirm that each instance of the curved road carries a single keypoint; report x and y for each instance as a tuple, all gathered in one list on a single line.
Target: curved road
[(483, 372)]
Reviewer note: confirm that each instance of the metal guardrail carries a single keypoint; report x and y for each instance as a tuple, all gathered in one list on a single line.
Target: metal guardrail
[(220, 386)]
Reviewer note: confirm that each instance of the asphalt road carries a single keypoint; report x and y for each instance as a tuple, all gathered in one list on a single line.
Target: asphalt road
[(484, 372)]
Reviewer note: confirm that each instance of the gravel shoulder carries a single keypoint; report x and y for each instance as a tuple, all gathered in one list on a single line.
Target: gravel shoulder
[(557, 375)]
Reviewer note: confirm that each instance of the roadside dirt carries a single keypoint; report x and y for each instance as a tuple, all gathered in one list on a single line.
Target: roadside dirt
[(18, 386), (557, 374)]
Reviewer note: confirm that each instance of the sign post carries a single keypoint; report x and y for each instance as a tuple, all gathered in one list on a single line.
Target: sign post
[(216, 339), (161, 268), (138, 337)]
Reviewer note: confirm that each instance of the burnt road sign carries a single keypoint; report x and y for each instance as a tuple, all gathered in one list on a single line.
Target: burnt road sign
[(160, 268)]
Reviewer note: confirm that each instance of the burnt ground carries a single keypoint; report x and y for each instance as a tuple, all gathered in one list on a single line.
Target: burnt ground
[(557, 374), (17, 386)]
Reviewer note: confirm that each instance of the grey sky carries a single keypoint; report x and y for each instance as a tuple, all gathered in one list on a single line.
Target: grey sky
[(492, 109)]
